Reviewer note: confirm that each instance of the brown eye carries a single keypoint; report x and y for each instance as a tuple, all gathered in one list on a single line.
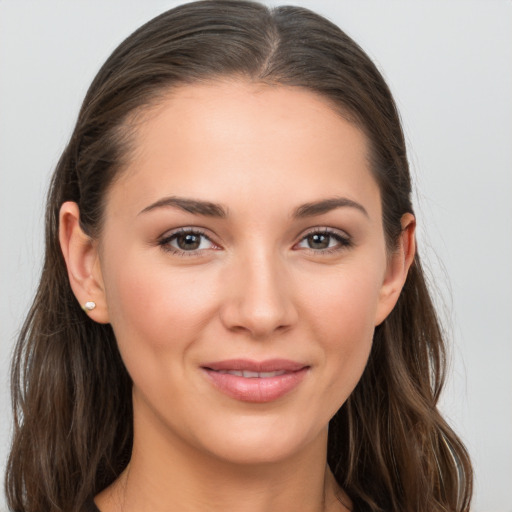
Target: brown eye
[(188, 241), (318, 240), (325, 242)]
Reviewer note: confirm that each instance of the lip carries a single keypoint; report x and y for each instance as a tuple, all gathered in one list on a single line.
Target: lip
[(255, 389)]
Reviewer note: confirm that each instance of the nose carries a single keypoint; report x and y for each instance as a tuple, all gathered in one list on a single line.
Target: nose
[(259, 299)]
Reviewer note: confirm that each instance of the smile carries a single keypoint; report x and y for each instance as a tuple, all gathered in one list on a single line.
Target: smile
[(252, 381), (252, 375)]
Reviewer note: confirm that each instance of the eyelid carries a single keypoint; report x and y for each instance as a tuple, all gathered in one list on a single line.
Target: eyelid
[(183, 229), (325, 229)]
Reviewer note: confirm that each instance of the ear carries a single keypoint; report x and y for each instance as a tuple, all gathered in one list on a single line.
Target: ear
[(81, 256), (397, 268)]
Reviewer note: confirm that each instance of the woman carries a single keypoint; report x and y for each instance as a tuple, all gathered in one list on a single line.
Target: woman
[(232, 312)]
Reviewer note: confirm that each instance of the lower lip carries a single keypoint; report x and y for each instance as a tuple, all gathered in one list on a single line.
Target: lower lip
[(257, 390)]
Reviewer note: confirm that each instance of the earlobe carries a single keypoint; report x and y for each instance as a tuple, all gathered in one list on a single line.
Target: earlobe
[(81, 256), (397, 268)]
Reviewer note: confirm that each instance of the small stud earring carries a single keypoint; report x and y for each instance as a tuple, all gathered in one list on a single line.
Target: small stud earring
[(89, 306)]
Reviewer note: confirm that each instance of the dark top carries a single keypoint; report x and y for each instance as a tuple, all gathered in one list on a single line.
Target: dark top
[(90, 506)]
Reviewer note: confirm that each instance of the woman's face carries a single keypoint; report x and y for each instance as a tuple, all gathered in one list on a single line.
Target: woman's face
[(244, 268)]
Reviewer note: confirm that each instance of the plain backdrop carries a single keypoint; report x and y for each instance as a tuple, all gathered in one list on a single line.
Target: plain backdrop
[(449, 65)]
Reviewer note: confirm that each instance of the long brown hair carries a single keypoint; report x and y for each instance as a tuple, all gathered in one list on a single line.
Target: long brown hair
[(389, 448)]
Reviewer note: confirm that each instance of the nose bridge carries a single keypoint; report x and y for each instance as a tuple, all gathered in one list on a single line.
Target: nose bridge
[(260, 301)]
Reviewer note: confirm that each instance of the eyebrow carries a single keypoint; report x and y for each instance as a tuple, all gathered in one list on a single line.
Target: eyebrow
[(189, 205), (210, 209), (325, 206)]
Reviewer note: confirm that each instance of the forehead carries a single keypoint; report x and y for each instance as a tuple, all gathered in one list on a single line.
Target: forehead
[(236, 139)]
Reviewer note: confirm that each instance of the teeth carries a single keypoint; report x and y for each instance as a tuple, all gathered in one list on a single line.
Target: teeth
[(266, 375), (253, 375), (250, 375)]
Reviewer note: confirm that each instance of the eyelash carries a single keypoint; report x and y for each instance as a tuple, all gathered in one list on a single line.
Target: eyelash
[(164, 243), (344, 241)]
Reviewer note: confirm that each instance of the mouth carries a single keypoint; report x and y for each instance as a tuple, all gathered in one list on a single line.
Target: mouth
[(255, 381), (251, 375)]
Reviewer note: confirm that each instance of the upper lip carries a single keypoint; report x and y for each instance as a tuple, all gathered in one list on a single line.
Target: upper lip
[(269, 365)]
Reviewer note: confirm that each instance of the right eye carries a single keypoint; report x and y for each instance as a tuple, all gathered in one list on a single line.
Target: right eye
[(187, 242)]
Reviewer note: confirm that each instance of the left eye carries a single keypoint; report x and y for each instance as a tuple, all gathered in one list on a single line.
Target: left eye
[(187, 241), (323, 240)]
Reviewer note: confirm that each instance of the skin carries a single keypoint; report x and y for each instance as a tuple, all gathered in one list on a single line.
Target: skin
[(255, 289)]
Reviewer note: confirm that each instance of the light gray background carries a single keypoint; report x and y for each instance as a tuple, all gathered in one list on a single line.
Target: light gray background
[(449, 64)]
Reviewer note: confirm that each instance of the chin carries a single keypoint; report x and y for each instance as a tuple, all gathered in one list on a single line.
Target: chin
[(257, 443)]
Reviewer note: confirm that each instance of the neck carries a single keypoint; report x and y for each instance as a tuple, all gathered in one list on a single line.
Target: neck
[(166, 475)]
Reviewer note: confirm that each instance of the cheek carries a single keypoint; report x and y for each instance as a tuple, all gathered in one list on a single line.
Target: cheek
[(345, 302), (343, 316), (154, 309)]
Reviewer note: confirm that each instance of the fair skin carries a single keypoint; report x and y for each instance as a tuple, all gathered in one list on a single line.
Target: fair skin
[(261, 275)]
